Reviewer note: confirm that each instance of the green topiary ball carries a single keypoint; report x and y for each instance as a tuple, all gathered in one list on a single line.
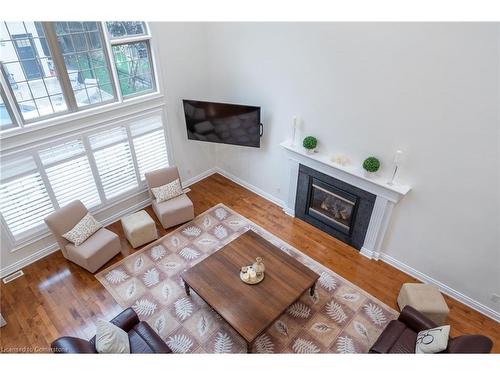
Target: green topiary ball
[(371, 164), (310, 142)]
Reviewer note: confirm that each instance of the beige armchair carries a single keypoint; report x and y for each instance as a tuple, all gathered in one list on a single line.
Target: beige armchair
[(175, 211), (95, 251)]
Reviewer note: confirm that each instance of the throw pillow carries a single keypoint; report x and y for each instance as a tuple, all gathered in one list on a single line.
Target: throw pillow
[(110, 338), (83, 230), (165, 192), (432, 340)]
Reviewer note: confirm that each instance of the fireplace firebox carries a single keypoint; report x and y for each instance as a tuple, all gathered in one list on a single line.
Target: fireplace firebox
[(340, 209)]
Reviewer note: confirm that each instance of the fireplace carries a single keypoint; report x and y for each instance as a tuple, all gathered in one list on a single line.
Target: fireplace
[(333, 206)]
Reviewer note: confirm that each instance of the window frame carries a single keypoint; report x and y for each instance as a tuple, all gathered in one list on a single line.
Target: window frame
[(13, 119), (22, 126)]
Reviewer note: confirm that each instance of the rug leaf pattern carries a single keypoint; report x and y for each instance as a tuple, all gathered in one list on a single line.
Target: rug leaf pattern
[(338, 318)]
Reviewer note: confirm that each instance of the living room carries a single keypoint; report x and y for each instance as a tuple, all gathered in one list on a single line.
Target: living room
[(249, 187)]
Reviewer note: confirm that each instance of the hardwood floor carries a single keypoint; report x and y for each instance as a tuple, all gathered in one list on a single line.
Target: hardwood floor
[(56, 297)]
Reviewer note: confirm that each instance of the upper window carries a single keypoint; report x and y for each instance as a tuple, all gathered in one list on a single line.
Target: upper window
[(133, 65), (120, 29), (53, 68), (29, 69), (82, 47)]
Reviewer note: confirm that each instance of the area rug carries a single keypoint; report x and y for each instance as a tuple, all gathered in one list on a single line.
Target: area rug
[(339, 318)]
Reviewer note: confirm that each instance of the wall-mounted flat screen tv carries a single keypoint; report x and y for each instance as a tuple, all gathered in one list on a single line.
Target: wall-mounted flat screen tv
[(223, 123)]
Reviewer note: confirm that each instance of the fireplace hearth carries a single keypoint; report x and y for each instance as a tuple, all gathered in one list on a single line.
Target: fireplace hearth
[(334, 206)]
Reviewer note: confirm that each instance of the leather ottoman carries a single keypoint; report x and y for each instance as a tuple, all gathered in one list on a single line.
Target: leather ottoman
[(426, 299)]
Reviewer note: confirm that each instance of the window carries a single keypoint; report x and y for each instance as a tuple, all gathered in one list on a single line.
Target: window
[(133, 65), (54, 68), (29, 69), (24, 200), (82, 47), (96, 168), (120, 29), (69, 174)]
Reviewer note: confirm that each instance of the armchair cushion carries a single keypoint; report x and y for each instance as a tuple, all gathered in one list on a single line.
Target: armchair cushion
[(174, 211)]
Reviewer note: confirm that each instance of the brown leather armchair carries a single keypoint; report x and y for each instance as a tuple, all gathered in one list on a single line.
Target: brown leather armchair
[(400, 336), (141, 336)]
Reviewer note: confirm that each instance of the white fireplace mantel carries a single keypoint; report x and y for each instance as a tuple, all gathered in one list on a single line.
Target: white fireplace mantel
[(387, 195)]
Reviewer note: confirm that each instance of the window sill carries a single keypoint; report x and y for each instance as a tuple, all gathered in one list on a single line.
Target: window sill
[(55, 121)]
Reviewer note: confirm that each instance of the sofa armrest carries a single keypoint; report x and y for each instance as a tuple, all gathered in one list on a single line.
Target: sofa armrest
[(72, 345), (415, 320), (469, 344), (126, 320)]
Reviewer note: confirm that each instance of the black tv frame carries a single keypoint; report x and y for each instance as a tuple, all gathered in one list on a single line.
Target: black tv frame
[(261, 131)]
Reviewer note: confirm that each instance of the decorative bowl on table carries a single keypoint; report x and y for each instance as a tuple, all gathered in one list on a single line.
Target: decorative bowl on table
[(253, 274)]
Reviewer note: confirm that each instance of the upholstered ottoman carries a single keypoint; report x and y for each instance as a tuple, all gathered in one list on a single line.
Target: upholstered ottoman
[(139, 228), (425, 298)]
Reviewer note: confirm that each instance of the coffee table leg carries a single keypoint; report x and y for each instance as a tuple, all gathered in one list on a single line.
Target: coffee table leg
[(313, 287), (186, 287)]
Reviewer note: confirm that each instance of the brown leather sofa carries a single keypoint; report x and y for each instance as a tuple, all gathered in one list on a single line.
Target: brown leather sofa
[(141, 336), (400, 336)]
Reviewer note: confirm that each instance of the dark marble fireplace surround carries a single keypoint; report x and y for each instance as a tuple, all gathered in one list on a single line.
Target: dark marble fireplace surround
[(337, 208)]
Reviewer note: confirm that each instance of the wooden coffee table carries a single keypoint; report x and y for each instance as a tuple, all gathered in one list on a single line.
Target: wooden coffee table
[(249, 309)]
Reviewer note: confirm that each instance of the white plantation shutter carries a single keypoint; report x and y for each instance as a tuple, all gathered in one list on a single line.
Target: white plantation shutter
[(114, 161), (69, 174), (149, 144), (94, 168), (24, 201)]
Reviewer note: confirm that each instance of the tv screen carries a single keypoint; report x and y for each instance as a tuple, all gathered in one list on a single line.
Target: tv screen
[(222, 123)]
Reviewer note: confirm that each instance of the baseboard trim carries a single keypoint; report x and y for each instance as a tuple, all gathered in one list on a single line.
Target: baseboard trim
[(250, 187), (198, 178), (289, 211), (473, 304), (42, 253)]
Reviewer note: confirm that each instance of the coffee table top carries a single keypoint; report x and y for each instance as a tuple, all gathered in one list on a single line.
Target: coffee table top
[(249, 309)]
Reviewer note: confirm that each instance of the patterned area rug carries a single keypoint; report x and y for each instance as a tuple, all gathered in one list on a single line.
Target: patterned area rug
[(339, 318)]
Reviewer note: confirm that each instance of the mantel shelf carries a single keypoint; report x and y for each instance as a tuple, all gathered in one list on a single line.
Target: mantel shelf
[(357, 173)]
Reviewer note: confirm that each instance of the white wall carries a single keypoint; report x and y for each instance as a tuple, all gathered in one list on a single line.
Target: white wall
[(182, 56), (181, 50), (363, 89)]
